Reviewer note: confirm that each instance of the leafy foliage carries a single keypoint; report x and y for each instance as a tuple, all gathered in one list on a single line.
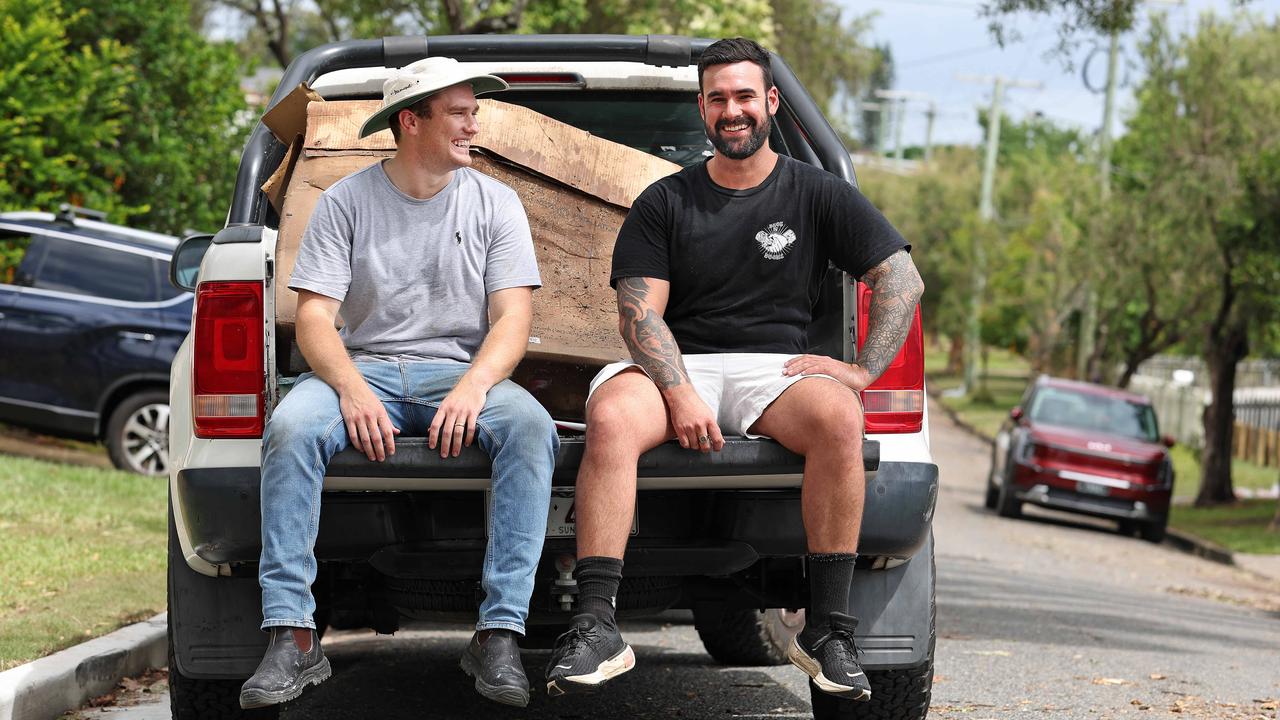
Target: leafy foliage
[(1203, 156), (180, 146), (62, 106)]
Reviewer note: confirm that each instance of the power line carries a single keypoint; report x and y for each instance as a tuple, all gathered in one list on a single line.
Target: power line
[(950, 55)]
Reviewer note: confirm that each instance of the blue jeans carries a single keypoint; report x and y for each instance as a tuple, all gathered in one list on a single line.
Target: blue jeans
[(307, 429)]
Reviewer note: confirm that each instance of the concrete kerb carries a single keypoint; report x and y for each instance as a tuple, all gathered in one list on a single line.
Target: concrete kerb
[(1183, 541), (46, 688)]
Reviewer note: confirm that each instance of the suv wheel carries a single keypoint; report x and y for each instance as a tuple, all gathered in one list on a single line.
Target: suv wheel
[(748, 637), (138, 433), (1007, 503), (1154, 532), (993, 491)]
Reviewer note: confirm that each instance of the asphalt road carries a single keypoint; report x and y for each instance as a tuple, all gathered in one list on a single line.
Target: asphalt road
[(1051, 616)]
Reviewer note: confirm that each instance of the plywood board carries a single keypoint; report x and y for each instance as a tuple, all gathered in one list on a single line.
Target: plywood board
[(614, 173)]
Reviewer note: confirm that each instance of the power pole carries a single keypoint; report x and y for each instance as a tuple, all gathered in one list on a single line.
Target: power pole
[(898, 100), (881, 137), (899, 115), (928, 132), (1089, 317), (987, 212)]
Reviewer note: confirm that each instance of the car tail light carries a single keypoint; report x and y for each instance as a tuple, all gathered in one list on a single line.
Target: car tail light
[(894, 403), (229, 360)]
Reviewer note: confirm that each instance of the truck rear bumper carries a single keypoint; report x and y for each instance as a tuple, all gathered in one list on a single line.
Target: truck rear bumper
[(364, 519)]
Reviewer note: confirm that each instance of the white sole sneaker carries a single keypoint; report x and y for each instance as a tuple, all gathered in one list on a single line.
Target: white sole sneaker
[(811, 667), (607, 670)]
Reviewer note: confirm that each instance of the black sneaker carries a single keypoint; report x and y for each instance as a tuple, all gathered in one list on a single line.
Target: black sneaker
[(588, 655), (832, 660), (285, 671), (495, 664)]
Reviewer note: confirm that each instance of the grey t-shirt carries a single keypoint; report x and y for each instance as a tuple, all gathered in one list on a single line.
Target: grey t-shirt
[(413, 275)]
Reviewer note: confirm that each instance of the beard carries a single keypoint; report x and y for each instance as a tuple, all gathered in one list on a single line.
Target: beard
[(746, 147)]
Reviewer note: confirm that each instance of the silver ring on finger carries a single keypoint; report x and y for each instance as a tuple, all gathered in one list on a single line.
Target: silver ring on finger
[(703, 439)]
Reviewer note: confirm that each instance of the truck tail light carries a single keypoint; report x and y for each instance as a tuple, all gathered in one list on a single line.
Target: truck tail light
[(229, 360), (894, 403)]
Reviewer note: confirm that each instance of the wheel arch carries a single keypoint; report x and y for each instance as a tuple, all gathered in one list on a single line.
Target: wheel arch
[(123, 388)]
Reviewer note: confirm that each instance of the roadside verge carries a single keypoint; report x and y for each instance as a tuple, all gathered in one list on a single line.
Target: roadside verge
[(67, 679)]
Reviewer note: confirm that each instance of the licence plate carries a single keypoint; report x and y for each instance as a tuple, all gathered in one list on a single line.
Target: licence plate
[(1089, 488), (561, 518)]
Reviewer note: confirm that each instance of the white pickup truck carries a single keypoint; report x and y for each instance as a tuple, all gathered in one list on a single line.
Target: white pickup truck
[(718, 534)]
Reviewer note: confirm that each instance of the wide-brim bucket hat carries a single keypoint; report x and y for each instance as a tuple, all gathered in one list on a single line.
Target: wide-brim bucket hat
[(420, 79)]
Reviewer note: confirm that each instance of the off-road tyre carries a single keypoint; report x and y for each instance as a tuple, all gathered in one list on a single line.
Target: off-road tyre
[(895, 695), (139, 418), (192, 699), (902, 694), (748, 637), (650, 594)]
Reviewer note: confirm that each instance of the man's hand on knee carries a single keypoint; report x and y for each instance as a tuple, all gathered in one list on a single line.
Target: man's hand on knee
[(693, 422), (368, 425), (455, 422)]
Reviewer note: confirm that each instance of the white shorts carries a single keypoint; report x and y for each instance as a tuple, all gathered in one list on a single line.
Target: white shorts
[(736, 386)]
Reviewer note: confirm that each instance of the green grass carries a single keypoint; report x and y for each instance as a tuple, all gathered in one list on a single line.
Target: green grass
[(1006, 378), (1186, 471), (1242, 527), (82, 552)]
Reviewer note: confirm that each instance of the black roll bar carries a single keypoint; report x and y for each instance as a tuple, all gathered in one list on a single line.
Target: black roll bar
[(263, 153)]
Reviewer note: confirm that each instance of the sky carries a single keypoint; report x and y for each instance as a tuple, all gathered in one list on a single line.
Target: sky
[(934, 41)]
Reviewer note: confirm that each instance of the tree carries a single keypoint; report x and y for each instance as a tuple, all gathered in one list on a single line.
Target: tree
[(1077, 16), (703, 18), (1203, 152), (272, 18), (827, 53), (936, 211), (179, 149), (62, 107)]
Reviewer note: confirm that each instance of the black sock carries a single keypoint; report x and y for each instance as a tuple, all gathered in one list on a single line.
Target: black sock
[(598, 579), (829, 578)]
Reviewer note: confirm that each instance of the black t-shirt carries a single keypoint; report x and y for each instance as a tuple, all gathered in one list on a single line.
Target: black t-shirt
[(745, 266)]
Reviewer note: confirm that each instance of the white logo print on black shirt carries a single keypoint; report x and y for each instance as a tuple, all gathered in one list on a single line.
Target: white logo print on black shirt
[(775, 240)]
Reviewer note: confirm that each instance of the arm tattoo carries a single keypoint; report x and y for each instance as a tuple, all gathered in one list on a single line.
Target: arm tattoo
[(896, 287), (647, 336)]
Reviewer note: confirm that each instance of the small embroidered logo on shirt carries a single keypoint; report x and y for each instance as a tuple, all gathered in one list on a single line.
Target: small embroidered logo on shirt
[(776, 240), (458, 235)]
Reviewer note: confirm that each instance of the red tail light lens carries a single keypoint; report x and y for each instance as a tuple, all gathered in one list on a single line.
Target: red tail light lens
[(229, 360), (894, 403)]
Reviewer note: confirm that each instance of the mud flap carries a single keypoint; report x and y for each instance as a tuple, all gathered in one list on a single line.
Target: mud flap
[(895, 611), (214, 622)]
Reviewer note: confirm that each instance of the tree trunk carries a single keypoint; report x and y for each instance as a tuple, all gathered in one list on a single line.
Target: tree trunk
[(1227, 347), (955, 358)]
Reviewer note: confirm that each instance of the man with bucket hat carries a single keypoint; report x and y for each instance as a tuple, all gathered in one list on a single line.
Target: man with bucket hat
[(432, 267)]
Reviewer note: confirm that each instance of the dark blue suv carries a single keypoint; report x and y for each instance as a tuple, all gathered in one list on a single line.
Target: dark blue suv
[(89, 324)]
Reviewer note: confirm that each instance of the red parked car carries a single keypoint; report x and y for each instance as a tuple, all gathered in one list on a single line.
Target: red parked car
[(1084, 448)]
